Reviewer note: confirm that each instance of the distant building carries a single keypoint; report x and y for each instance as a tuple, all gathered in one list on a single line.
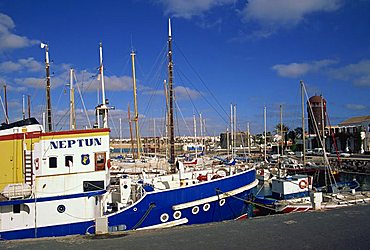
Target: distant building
[(351, 135), (240, 140), (318, 105)]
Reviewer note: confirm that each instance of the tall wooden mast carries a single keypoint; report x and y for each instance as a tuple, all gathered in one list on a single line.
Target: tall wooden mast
[(303, 124), (170, 86), (136, 117), (48, 98), (130, 125), (6, 105), (72, 114)]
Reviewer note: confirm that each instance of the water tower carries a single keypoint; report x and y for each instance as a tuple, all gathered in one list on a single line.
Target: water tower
[(318, 105)]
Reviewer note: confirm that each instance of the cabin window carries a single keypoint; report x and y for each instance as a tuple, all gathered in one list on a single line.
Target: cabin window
[(17, 208), (68, 160), (53, 162), (100, 160)]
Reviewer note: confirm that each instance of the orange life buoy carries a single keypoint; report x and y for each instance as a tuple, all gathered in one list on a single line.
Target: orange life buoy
[(109, 163), (303, 184)]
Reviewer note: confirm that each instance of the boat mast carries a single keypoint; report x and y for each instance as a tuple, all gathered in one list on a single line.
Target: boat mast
[(72, 114), (48, 99), (103, 108), (155, 139), (235, 130), (170, 86), (23, 109), (195, 136), (232, 130), (323, 124), (249, 140), (29, 106), (6, 106), (130, 125), (281, 130), (303, 123), (136, 117), (264, 119), (120, 135), (201, 129)]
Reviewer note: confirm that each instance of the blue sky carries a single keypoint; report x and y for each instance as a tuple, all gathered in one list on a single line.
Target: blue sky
[(249, 53)]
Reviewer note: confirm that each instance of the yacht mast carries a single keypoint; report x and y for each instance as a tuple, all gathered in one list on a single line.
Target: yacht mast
[(103, 107), (136, 117), (235, 129), (264, 119), (170, 86), (303, 123), (195, 136), (232, 130), (281, 130), (29, 106), (48, 100), (23, 109), (6, 106), (130, 125), (72, 114)]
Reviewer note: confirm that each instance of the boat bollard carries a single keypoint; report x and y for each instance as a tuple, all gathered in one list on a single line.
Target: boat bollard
[(101, 225), (316, 200)]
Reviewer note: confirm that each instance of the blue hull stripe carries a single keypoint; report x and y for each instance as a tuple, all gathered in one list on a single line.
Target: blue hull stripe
[(53, 198)]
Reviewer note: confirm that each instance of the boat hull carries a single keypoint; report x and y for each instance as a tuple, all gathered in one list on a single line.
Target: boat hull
[(216, 200)]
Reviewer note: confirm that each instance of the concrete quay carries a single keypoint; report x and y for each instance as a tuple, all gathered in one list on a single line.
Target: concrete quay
[(345, 228)]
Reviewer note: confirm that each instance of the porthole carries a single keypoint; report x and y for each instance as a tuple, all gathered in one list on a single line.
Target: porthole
[(61, 209), (177, 215), (206, 207), (164, 217), (222, 202), (135, 209), (195, 210)]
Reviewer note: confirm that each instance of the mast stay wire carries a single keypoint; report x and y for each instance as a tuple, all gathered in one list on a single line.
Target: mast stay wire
[(201, 80), (204, 98)]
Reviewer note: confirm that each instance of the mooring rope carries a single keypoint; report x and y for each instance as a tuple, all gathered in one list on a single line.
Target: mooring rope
[(247, 201)]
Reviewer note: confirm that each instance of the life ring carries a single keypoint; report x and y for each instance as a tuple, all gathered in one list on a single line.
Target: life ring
[(303, 184), (109, 163), (222, 172)]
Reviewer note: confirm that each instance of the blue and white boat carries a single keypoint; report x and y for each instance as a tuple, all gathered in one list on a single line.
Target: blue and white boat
[(58, 184)]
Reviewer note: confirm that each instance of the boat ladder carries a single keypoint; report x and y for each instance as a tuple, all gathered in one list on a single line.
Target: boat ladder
[(28, 168)]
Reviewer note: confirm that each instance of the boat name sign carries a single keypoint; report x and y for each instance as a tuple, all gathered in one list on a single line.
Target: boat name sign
[(75, 143)]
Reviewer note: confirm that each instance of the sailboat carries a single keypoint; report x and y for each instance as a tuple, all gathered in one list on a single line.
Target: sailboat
[(58, 183), (298, 193)]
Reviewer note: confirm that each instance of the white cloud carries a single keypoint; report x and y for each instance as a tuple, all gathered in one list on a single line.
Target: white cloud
[(182, 92), (8, 66), (299, 69), (29, 64), (272, 15), (189, 8), (358, 73), (31, 82), (9, 40), (16, 88), (355, 106), (112, 83)]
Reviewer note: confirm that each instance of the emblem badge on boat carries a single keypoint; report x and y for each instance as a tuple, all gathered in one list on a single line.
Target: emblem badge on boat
[(85, 159)]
